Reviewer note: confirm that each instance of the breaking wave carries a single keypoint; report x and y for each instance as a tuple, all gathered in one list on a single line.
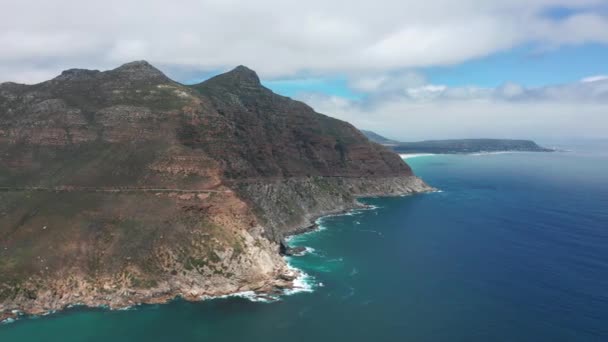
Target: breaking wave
[(415, 155)]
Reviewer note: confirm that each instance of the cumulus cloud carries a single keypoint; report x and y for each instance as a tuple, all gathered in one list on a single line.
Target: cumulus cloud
[(280, 38), (431, 111)]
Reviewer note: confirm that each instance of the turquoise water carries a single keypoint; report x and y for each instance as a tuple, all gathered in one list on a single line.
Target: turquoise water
[(514, 248)]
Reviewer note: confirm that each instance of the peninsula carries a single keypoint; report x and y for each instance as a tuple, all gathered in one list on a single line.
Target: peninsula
[(122, 187), (457, 145)]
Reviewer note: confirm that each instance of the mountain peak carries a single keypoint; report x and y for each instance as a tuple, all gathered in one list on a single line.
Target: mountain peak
[(240, 77), (137, 71), (76, 74), (245, 75), (140, 71), (136, 65)]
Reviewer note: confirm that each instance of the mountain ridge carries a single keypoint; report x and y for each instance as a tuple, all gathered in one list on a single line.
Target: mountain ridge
[(82, 154)]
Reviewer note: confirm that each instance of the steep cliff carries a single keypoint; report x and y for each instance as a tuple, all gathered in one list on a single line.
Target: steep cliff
[(124, 186)]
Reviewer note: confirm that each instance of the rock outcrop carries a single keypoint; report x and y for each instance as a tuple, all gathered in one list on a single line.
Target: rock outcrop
[(123, 186)]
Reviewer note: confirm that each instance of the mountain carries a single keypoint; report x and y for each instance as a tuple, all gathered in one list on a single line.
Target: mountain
[(378, 138), (457, 145), (123, 186)]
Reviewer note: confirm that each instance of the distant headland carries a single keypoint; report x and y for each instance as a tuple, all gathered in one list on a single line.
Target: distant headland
[(457, 145)]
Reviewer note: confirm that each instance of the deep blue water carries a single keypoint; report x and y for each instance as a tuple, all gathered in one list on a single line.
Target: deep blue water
[(514, 248)]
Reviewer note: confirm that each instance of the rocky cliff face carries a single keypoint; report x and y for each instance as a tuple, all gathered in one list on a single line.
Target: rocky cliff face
[(124, 186)]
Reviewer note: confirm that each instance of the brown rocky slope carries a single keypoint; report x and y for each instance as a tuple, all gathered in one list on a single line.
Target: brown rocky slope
[(123, 186)]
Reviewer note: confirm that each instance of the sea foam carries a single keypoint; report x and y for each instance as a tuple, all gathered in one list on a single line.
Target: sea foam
[(303, 283), (8, 321), (415, 155)]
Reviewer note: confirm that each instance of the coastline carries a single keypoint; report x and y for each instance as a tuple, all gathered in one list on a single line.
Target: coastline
[(415, 155), (271, 288), (472, 153), (283, 282)]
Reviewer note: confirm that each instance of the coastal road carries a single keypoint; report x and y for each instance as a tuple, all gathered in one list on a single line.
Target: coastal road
[(110, 190)]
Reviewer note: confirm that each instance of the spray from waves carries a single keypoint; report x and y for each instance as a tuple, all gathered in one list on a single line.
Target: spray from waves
[(303, 283)]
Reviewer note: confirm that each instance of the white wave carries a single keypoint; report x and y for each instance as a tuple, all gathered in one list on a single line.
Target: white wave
[(256, 297), (359, 211), (415, 155), (309, 250), (303, 283), (319, 228), (127, 308), (477, 154), (8, 321), (249, 295)]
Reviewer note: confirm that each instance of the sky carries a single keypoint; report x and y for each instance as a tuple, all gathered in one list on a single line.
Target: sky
[(407, 69)]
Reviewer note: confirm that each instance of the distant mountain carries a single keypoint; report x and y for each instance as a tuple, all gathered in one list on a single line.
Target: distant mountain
[(377, 138), (457, 145)]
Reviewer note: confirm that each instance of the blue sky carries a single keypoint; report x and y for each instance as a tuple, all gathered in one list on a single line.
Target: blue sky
[(333, 85), (529, 65)]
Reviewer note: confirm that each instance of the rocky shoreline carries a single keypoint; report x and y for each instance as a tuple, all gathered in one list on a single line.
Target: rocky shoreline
[(272, 287), (168, 189), (280, 281)]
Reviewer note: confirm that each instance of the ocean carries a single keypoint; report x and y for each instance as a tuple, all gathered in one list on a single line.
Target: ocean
[(514, 247)]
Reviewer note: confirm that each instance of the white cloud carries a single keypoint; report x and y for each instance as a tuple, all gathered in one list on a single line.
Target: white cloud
[(511, 90), (594, 78), (279, 37), (371, 42), (577, 109), (396, 81)]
